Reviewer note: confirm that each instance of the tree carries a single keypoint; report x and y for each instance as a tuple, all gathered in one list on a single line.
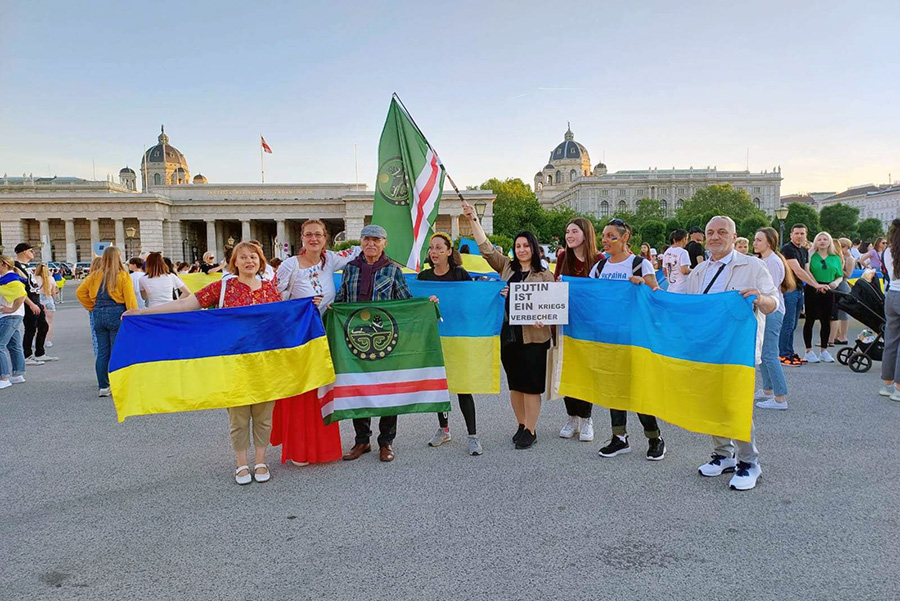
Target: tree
[(751, 225), (646, 209), (671, 226), (799, 213), (653, 232), (516, 207), (869, 229), (839, 220), (554, 224), (718, 199)]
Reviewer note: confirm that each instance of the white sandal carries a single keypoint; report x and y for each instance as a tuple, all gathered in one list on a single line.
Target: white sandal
[(243, 480), (264, 477)]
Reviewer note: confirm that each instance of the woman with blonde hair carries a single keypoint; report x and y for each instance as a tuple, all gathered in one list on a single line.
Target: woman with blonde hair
[(742, 245), (826, 267), (107, 293), (247, 263), (49, 292), (12, 313), (840, 321)]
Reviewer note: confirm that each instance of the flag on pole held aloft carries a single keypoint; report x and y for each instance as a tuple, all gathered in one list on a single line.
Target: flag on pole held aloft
[(265, 146), (387, 360), (408, 187)]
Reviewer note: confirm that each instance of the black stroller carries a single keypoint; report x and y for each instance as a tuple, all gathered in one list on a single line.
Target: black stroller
[(865, 303)]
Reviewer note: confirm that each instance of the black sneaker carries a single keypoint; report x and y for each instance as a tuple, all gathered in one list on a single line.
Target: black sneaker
[(616, 446), (526, 439), (518, 433), (657, 449)]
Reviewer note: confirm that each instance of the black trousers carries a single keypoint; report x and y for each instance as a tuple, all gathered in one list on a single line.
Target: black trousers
[(387, 429), (618, 419), (467, 407), (35, 332), (578, 408), (819, 306)]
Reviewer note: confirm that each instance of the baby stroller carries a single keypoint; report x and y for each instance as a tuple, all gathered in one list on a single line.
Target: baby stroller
[(865, 303)]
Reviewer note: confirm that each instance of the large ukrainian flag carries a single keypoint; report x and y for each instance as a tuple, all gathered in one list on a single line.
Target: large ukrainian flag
[(219, 358), (687, 359), (472, 314)]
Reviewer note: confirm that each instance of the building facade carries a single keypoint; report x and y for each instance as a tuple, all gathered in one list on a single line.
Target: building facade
[(879, 201), (568, 180), (65, 217)]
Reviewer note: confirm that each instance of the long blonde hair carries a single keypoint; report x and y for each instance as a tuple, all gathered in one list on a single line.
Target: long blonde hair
[(110, 266), (43, 272), (832, 249), (11, 265)]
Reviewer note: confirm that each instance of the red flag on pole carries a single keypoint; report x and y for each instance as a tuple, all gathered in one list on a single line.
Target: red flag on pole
[(265, 146)]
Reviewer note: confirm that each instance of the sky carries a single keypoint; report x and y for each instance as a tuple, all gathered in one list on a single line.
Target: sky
[(810, 86)]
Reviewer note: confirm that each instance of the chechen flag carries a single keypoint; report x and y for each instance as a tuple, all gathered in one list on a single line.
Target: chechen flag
[(408, 188), (265, 146)]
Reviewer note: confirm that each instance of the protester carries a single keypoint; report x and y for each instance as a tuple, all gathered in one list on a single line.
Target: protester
[(872, 258), (854, 249), (446, 266), (372, 276), (890, 364), (576, 260), (729, 270), (269, 273), (645, 253), (48, 291), (774, 387), (620, 265), (523, 350), (209, 264), (159, 285), (275, 264), (246, 288), (695, 247), (107, 293), (136, 269), (297, 422), (676, 262), (797, 256), (826, 268), (12, 356), (742, 245), (35, 319), (840, 321)]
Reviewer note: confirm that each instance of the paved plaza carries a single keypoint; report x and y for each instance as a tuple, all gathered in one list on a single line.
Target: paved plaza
[(91, 509)]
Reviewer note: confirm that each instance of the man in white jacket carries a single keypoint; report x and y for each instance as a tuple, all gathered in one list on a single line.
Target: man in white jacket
[(728, 270)]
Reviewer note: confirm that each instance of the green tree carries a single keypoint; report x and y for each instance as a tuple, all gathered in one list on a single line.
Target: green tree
[(799, 212), (672, 225), (516, 207), (718, 199), (553, 224), (751, 225), (646, 209), (653, 232), (839, 220), (869, 229)]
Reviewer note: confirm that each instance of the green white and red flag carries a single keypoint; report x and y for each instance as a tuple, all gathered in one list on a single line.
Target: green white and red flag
[(387, 360), (408, 187)]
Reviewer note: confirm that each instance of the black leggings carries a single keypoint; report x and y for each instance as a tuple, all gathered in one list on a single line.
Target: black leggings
[(467, 406), (578, 408), (819, 306)]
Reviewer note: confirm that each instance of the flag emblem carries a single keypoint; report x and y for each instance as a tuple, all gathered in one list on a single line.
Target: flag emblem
[(371, 333), (392, 181)]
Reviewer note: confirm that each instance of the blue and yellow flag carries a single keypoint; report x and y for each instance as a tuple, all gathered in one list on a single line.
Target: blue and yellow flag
[(196, 281), (12, 287), (219, 358), (472, 315), (687, 359)]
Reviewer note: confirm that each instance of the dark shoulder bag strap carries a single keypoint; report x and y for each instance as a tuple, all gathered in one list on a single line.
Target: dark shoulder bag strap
[(600, 265), (637, 264)]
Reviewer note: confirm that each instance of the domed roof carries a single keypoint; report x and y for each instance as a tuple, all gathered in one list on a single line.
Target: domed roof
[(549, 166), (126, 170), (568, 149), (600, 166), (200, 179), (155, 153)]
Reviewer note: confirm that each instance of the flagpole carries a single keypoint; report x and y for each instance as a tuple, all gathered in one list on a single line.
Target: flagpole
[(262, 165)]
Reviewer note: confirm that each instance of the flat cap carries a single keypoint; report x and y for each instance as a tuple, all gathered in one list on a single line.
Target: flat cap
[(373, 231)]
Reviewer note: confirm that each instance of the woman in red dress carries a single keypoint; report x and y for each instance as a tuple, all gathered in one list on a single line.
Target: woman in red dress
[(297, 422)]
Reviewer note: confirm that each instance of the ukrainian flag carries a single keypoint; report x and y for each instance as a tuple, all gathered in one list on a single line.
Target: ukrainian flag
[(197, 281), (687, 359), (220, 358), (472, 314), (12, 287)]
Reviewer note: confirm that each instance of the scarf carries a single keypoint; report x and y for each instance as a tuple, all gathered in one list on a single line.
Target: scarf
[(367, 275)]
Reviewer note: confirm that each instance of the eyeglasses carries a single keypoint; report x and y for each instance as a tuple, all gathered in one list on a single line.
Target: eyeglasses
[(310, 235), (616, 221)]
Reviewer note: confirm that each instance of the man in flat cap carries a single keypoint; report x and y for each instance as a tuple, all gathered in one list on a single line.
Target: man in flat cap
[(372, 276)]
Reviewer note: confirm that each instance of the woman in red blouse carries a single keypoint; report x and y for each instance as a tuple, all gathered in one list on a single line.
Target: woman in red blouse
[(248, 262)]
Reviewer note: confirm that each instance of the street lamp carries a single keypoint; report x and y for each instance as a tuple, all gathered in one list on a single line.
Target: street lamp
[(480, 206), (781, 214), (129, 237), (230, 241)]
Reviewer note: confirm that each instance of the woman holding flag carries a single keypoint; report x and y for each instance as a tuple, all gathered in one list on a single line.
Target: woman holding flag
[(297, 422), (246, 288), (12, 312), (524, 348)]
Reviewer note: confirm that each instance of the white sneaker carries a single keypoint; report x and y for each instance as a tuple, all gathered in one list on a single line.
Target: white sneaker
[(887, 390), (439, 438), (760, 395), (586, 429), (717, 466), (811, 357), (825, 357), (895, 396), (33, 361), (5, 384), (745, 476), (46, 358), (571, 427), (771, 403), (17, 380), (105, 392)]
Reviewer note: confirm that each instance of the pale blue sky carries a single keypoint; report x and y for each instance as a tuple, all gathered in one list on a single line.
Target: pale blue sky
[(812, 86)]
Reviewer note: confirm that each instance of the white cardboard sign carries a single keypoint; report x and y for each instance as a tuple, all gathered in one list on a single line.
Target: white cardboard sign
[(547, 302)]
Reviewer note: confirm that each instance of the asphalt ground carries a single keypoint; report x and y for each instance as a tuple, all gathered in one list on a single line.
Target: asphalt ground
[(147, 509)]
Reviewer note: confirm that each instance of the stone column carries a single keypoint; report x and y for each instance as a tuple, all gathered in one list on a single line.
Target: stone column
[(120, 236), (281, 238), (211, 237), (353, 225), (71, 244), (454, 226), (12, 233), (95, 236), (151, 235), (245, 230), (220, 240), (46, 248)]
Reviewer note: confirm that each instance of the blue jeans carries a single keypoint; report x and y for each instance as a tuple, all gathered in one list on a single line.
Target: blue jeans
[(106, 326), (770, 368), (793, 306), (12, 355)]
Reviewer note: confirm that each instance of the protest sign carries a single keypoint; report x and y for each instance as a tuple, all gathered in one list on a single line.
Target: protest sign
[(547, 302)]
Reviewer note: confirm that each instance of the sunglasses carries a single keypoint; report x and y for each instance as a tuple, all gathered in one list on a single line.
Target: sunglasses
[(617, 222)]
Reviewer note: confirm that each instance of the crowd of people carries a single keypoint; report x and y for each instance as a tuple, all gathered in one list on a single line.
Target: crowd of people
[(784, 280)]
